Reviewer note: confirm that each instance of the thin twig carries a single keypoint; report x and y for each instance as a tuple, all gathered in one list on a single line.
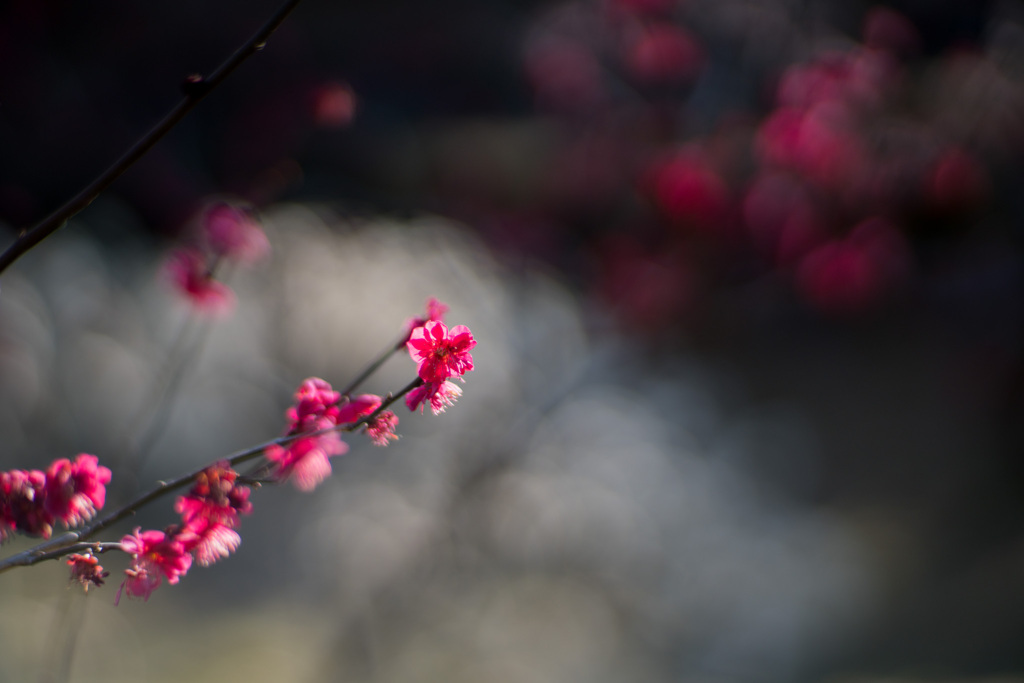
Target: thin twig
[(195, 88)]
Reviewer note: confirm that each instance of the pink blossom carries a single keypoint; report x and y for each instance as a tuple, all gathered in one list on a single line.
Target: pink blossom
[(438, 394), (441, 353), (86, 570), (210, 513), (189, 274), (689, 192), (305, 460), (215, 497), (854, 274), (209, 540), (153, 554), (358, 407), (381, 429), (314, 403), (435, 311), (75, 492), (22, 504), (233, 233)]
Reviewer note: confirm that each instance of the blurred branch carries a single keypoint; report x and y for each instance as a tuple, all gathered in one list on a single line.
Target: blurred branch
[(195, 89), (73, 540)]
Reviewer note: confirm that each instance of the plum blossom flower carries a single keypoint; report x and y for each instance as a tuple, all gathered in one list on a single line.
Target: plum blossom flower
[(22, 504), (358, 407), (306, 460), (188, 272), (441, 353), (439, 395), (233, 233), (86, 570), (208, 540), (210, 513), (215, 497), (76, 491), (154, 553), (381, 429)]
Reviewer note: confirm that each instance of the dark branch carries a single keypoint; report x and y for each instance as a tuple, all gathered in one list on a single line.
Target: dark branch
[(195, 89)]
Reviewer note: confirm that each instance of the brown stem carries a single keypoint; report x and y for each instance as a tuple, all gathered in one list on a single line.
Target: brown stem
[(195, 89)]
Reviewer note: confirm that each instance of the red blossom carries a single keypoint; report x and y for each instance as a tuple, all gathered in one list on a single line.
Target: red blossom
[(215, 497), (154, 553), (208, 540), (22, 504), (188, 272), (689, 192), (855, 274), (86, 570), (439, 395), (381, 429), (441, 353), (233, 233), (358, 407), (305, 460), (76, 491)]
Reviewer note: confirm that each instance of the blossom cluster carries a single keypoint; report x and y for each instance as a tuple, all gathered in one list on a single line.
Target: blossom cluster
[(32, 501), (807, 182), (227, 232), (441, 354), (210, 513), (71, 492)]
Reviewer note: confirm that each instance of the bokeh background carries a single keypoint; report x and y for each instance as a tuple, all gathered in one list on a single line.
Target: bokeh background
[(746, 277)]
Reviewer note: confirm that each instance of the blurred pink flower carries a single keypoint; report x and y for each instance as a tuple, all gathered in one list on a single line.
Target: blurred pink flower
[(208, 540), (441, 353), (689, 192), (22, 504), (438, 394), (215, 497), (358, 407), (189, 274), (234, 234), (305, 460), (381, 429), (856, 273), (153, 554), (76, 491)]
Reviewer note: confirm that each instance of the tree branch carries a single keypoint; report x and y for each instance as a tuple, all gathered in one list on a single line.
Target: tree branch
[(73, 540), (195, 88)]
